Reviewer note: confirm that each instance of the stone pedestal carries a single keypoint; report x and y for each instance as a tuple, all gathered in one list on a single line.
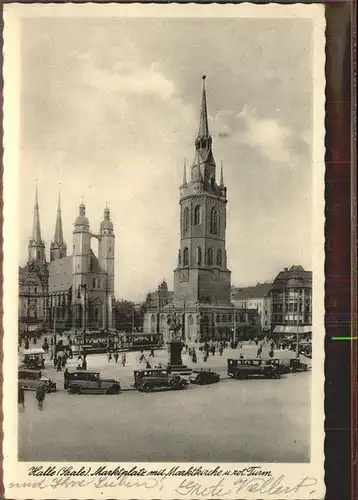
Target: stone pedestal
[(175, 359)]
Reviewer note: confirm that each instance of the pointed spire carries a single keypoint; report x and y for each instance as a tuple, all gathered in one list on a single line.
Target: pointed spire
[(184, 173), (58, 229), (36, 230), (221, 175), (203, 124)]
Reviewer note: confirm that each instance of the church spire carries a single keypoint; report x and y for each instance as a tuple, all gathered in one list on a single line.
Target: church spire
[(36, 230), (36, 246), (184, 173), (58, 229), (58, 247), (221, 175), (203, 124), (203, 140)]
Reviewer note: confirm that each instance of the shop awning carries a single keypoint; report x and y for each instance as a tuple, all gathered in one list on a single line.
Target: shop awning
[(292, 330)]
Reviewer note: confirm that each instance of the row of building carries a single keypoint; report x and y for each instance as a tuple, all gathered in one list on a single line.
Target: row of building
[(283, 306), (77, 291)]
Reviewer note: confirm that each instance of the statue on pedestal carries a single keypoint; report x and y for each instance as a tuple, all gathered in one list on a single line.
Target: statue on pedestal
[(175, 343)]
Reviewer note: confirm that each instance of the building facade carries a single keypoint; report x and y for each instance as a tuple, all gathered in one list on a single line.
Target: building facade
[(257, 298), (202, 281), (74, 292), (291, 297), (33, 281)]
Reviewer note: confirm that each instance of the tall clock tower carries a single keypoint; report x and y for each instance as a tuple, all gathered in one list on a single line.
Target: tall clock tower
[(202, 276)]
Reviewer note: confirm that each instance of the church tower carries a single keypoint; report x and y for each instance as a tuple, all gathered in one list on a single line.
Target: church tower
[(58, 248), (202, 276), (80, 266), (106, 248), (36, 248)]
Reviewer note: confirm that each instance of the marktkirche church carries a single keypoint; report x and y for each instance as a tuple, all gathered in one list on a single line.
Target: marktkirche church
[(70, 291)]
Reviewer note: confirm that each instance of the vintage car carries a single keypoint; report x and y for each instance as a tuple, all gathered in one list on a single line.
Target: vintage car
[(31, 379), (247, 368), (84, 381), (147, 380), (33, 358), (297, 366), (204, 377)]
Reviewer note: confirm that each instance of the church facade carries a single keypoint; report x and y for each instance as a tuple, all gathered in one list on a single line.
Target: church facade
[(202, 281), (70, 292)]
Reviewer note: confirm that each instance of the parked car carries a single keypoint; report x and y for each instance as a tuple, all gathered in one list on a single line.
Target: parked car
[(147, 380), (31, 379), (204, 377), (247, 368), (297, 366), (84, 381)]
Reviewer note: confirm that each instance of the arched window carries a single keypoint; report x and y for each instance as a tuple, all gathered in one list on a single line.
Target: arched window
[(219, 258), (179, 257), (224, 318), (197, 215), (186, 257), (214, 221), (186, 220), (210, 256), (94, 283), (199, 256)]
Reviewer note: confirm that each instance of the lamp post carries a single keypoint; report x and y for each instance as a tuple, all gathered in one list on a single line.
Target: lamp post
[(234, 336)]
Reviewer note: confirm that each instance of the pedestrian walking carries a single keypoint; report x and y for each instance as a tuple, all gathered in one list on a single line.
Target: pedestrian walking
[(148, 365), (271, 353), (152, 352), (21, 396), (84, 364), (65, 379), (124, 359), (194, 358), (27, 345), (116, 356), (40, 396)]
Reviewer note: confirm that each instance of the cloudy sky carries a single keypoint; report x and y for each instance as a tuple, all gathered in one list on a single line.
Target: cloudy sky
[(109, 109)]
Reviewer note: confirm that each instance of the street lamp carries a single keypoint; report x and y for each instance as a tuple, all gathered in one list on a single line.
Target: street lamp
[(234, 321)]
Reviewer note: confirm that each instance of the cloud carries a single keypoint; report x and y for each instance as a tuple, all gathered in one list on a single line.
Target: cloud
[(269, 137), (126, 78)]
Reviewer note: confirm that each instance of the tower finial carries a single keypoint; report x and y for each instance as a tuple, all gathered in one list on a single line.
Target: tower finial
[(184, 173), (222, 175)]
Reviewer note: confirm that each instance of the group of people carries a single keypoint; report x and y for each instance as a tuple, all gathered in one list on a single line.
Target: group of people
[(116, 357), (40, 396)]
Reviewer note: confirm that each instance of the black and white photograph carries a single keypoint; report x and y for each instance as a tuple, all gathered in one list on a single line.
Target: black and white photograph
[(164, 251)]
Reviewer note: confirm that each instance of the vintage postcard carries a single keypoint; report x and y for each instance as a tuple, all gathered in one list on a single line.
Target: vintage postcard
[(164, 251)]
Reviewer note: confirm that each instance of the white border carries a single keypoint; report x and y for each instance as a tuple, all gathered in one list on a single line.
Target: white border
[(15, 471)]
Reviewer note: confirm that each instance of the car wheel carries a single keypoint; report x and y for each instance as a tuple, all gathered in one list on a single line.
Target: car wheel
[(201, 381), (75, 389), (183, 385), (172, 382), (146, 387)]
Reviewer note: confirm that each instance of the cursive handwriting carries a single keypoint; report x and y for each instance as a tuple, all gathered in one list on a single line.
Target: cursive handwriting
[(193, 488), (273, 486)]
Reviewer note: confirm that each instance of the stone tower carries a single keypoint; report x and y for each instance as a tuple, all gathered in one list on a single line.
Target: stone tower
[(80, 266), (106, 247), (58, 248), (36, 248), (201, 276)]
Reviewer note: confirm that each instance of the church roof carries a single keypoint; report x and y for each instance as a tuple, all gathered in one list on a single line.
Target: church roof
[(29, 276), (94, 264), (203, 122), (36, 229), (60, 275), (251, 292)]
